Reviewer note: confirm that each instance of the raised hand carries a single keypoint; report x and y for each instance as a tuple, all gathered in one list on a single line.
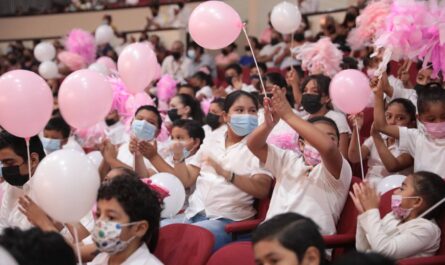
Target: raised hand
[(147, 149), (35, 214), (270, 116), (359, 118), (280, 104)]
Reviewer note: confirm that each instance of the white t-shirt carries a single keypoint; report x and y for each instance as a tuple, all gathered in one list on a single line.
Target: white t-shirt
[(209, 133), (269, 49), (315, 193), (213, 194), (415, 238), (247, 88), (178, 70), (399, 91), (339, 119), (127, 158), (141, 256), (376, 169), (428, 153), (206, 91)]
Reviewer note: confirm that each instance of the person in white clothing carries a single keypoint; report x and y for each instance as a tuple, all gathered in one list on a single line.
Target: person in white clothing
[(382, 152), (270, 52), (408, 231), (226, 174), (203, 82), (318, 180), (177, 64), (427, 143), (127, 225), (234, 79), (115, 131), (214, 120), (56, 136)]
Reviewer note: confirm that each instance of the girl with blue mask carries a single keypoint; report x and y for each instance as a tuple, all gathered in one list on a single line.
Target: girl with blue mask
[(410, 229), (225, 174)]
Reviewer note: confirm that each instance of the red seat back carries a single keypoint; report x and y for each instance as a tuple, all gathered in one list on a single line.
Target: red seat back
[(184, 244), (441, 223), (234, 253), (347, 223), (385, 203)]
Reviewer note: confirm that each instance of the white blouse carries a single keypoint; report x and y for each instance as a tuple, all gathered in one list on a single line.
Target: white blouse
[(141, 256)]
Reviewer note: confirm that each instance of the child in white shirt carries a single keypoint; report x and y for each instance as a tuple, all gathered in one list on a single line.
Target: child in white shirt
[(314, 185), (405, 232), (383, 152)]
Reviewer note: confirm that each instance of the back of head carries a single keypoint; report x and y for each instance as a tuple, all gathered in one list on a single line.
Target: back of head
[(18, 145), (432, 93), (431, 187), (60, 125), (354, 258), (138, 201), (35, 247), (294, 232)]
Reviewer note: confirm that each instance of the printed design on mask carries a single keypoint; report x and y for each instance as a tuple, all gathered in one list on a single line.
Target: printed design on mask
[(243, 124), (311, 155), (106, 236), (143, 130), (396, 206), (436, 130)]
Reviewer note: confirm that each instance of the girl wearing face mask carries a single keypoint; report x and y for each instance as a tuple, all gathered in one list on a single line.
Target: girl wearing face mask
[(127, 225), (227, 176), (318, 180), (383, 153), (214, 120), (313, 96), (204, 83), (145, 127), (426, 143), (184, 107), (288, 239), (406, 232)]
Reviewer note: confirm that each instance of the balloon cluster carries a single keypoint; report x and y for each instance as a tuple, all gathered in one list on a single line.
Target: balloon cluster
[(45, 52)]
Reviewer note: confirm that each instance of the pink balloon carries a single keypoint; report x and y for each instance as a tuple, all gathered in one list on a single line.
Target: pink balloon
[(26, 103), (214, 24), (108, 62), (136, 66), (350, 91), (85, 98)]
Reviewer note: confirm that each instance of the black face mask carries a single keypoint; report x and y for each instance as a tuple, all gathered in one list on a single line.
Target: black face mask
[(254, 77), (225, 52), (311, 103), (419, 88), (274, 41), (110, 122), (13, 177), (229, 80), (176, 55), (173, 115), (213, 120)]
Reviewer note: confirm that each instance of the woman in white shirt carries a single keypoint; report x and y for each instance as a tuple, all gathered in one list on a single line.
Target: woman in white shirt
[(127, 225), (382, 152), (317, 180), (214, 119), (405, 232), (227, 175)]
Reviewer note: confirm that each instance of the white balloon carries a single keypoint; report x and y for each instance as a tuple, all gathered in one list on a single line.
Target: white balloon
[(44, 51), (175, 201), (48, 70), (65, 185), (285, 17), (95, 157), (100, 68), (132, 2), (104, 34), (390, 182)]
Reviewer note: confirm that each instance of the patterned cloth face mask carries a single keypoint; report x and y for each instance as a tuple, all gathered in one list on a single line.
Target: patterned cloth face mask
[(106, 235)]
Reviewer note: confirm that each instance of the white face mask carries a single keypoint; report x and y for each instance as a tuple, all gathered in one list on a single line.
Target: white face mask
[(106, 235)]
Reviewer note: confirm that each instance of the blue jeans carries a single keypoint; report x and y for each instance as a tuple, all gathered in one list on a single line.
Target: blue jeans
[(216, 227)]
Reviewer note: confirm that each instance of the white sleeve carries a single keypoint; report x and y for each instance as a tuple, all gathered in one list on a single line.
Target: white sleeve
[(165, 64), (4, 213), (397, 88), (361, 242), (369, 143), (341, 122), (404, 244), (279, 161), (407, 140)]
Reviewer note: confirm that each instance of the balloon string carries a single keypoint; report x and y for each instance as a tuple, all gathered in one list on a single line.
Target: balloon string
[(76, 241), (359, 150), (432, 208), (254, 59), (29, 156)]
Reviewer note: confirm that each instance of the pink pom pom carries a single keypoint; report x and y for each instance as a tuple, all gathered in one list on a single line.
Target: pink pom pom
[(205, 105), (89, 138), (371, 20), (81, 42), (321, 57), (166, 88), (286, 141), (72, 60), (403, 32)]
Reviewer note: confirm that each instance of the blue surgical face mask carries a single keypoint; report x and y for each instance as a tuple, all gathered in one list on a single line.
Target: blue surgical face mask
[(243, 124), (143, 130), (191, 54), (50, 145)]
